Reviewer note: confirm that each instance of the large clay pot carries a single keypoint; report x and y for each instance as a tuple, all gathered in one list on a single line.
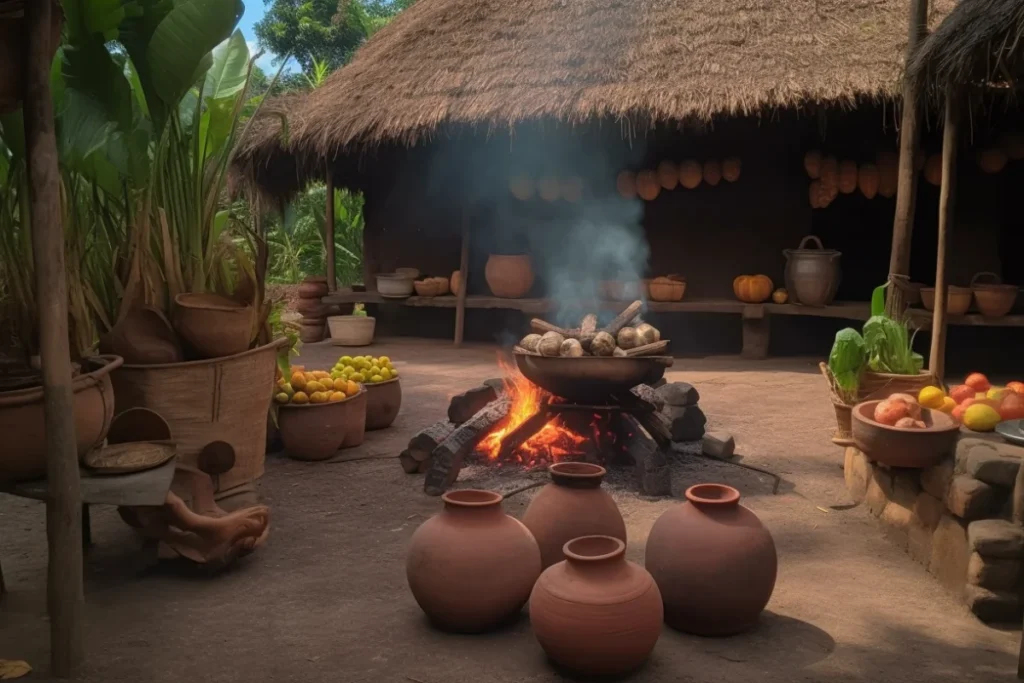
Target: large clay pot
[(384, 400), (509, 277), (315, 431), (355, 419), (214, 326), (572, 505), (714, 562), (21, 419), (812, 275), (596, 613), (472, 567)]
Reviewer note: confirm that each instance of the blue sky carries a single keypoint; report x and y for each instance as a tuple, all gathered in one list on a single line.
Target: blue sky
[(254, 11)]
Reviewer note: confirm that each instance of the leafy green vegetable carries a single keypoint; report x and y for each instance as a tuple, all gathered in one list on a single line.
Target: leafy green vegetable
[(890, 346), (846, 361)]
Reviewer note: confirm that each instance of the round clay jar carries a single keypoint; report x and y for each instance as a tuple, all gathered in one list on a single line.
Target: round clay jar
[(714, 562), (572, 505), (596, 614), (471, 567)]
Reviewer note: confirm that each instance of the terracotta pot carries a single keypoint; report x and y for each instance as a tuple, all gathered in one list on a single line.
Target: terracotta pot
[(958, 299), (904, 447), (213, 325), (313, 289), (384, 400), (472, 567), (456, 281), (509, 277), (143, 337), (994, 299), (312, 308), (21, 418), (714, 562), (316, 431), (355, 419), (572, 505), (596, 613), (311, 333)]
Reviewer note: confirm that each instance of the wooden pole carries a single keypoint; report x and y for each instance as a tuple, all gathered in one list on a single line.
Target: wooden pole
[(906, 192), (947, 202), (332, 278), (64, 504), (460, 302)]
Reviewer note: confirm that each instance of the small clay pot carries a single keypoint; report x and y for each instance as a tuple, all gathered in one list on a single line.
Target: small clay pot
[(596, 613), (714, 562), (384, 400), (572, 505), (471, 567), (315, 431), (509, 277)]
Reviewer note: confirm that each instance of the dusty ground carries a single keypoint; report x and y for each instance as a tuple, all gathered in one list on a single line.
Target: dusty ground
[(326, 599)]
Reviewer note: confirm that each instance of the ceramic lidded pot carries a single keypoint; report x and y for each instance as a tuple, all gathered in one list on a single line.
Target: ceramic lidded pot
[(596, 613), (472, 567), (714, 562), (572, 505), (509, 276)]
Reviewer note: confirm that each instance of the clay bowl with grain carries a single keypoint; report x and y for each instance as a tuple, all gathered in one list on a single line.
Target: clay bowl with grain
[(915, 447)]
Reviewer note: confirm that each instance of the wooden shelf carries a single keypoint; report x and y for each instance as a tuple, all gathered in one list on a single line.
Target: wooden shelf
[(923, 319)]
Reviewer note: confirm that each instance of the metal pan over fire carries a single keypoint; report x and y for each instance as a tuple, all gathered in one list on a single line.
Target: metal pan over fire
[(591, 379)]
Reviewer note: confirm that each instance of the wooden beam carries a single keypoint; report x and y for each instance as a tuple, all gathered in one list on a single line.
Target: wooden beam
[(947, 202), (906, 192), (66, 603), (332, 277), (460, 304)]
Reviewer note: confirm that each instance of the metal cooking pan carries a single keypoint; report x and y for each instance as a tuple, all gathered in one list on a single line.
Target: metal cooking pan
[(591, 379)]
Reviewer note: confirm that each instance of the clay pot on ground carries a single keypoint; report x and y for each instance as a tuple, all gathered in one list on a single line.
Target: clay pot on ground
[(21, 419), (214, 326), (355, 419), (311, 330), (509, 277), (315, 431), (472, 567), (572, 505), (595, 613), (714, 562), (143, 337), (313, 287), (383, 401), (904, 446)]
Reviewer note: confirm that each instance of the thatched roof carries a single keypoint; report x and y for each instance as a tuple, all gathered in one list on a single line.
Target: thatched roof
[(496, 63), (979, 42)]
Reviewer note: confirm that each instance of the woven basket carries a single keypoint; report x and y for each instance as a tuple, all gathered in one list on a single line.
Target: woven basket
[(843, 435), (221, 399), (875, 386)]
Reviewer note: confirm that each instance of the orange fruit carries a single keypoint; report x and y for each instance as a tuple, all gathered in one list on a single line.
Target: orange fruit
[(300, 398), (298, 381), (340, 384), (1015, 387), (978, 382), (961, 393), (948, 405), (1012, 407), (351, 388), (336, 396)]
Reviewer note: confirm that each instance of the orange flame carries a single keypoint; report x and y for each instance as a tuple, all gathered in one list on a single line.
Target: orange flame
[(551, 442)]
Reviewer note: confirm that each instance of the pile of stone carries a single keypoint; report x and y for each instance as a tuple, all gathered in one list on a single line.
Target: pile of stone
[(687, 422)]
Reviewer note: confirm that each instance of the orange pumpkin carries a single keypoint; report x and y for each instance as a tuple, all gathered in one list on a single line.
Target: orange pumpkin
[(888, 173), (992, 160), (780, 296), (868, 180), (550, 189), (815, 194), (668, 175), (521, 187), (647, 185), (626, 184), (752, 289), (847, 182), (690, 174), (829, 172), (572, 189), (933, 169), (812, 164), (731, 169), (712, 172)]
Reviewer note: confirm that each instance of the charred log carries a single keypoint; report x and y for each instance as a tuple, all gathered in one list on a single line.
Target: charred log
[(467, 404), (447, 458), (423, 443)]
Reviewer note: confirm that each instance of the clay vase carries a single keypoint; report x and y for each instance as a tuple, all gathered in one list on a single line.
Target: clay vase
[(595, 613), (509, 277), (572, 505), (384, 400), (714, 562), (471, 567)]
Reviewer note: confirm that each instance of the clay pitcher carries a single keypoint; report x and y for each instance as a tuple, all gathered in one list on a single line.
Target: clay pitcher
[(472, 567), (572, 505), (595, 613), (509, 277), (714, 562)]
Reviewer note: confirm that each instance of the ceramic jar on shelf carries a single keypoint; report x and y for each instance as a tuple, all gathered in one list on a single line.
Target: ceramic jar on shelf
[(509, 276)]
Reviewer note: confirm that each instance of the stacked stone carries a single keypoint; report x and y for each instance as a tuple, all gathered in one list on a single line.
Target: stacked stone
[(688, 422), (954, 518)]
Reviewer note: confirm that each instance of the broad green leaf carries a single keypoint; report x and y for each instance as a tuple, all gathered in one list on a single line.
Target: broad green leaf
[(227, 76)]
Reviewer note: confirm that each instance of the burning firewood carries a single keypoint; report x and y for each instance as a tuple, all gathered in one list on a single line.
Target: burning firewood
[(624, 318), (447, 458)]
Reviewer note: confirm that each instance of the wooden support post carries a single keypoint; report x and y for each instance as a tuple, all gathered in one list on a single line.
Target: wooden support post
[(460, 302), (947, 202), (64, 504), (756, 332), (906, 192), (332, 277)]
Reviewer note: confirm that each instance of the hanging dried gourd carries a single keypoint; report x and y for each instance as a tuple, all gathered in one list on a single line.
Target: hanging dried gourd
[(731, 168), (521, 187), (888, 173), (812, 163), (1012, 144), (847, 180), (712, 172), (647, 185), (668, 175), (992, 160), (572, 189), (814, 194), (829, 173), (828, 195), (933, 169), (625, 183), (690, 174), (549, 188), (868, 180)]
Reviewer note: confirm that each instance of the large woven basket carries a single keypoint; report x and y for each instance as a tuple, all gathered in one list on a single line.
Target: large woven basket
[(875, 386), (221, 399)]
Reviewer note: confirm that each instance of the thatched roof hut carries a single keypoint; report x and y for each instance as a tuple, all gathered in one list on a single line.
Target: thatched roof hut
[(495, 63), (978, 43)]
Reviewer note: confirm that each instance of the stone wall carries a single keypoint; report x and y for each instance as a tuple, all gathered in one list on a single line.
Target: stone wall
[(957, 519)]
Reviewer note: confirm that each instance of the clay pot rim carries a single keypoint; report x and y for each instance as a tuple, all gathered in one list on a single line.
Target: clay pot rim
[(208, 301), (346, 317), (713, 494), (472, 498), (362, 390), (369, 386), (601, 548), (576, 470), (939, 421)]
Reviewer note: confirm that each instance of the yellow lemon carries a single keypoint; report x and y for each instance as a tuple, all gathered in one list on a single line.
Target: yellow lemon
[(340, 384), (385, 360), (385, 374), (335, 374), (948, 404), (374, 370), (394, 373), (376, 378), (931, 397), (981, 418), (282, 397), (357, 377), (314, 386), (336, 396), (352, 388), (300, 398), (345, 360), (299, 381), (287, 388)]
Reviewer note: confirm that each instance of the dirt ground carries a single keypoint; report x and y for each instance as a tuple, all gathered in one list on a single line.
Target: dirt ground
[(326, 599)]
